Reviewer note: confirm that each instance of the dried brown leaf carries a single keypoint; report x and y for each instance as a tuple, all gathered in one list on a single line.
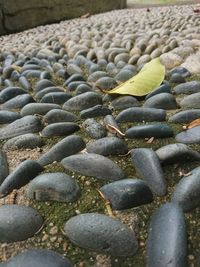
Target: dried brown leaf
[(192, 124), (112, 129)]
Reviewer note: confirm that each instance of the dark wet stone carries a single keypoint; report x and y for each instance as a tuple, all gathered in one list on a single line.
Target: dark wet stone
[(127, 193), (124, 75), (96, 111), (66, 147), (187, 191), (30, 74), (60, 129), (108, 146), (102, 234), (83, 101), (48, 90), (83, 88), (187, 88), (157, 130), (24, 141), (72, 78), (93, 165), (185, 116), (191, 101), (163, 88), (94, 129), (177, 78), (27, 124), (4, 170), (57, 115), (53, 187), (21, 176), (167, 238), (39, 258), (7, 116), (15, 76), (189, 136), (18, 102), (180, 70), (106, 83), (162, 100), (124, 102), (74, 85), (24, 83), (57, 98), (38, 108), (18, 223), (138, 114), (147, 165), (7, 72), (42, 84), (10, 92), (175, 153)]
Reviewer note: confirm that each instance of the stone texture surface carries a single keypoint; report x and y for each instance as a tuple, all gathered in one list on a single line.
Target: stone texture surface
[(20, 15)]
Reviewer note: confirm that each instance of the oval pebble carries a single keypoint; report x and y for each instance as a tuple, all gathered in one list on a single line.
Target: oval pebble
[(163, 88), (127, 193), (57, 115), (7, 116), (167, 238), (96, 111), (53, 187), (94, 129), (48, 90), (102, 234), (42, 84), (60, 129), (93, 165), (4, 170), (185, 116), (187, 88), (162, 101), (189, 136), (125, 102), (10, 92), (38, 108), (56, 98), (191, 101), (18, 102), (18, 223)]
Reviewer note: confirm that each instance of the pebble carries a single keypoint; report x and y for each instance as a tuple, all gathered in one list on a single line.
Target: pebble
[(60, 129), (18, 222), (56, 98), (39, 258), (96, 111), (100, 233), (93, 165), (57, 115), (10, 92), (185, 116), (94, 129), (53, 187), (18, 102), (52, 89), (167, 238), (38, 108), (191, 101), (127, 193), (147, 165), (42, 84), (187, 88), (4, 170), (7, 116), (189, 136), (124, 102), (162, 101)]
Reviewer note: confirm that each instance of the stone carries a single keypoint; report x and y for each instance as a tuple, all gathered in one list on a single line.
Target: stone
[(18, 102), (147, 165), (124, 102), (68, 146), (187, 88), (171, 60), (96, 111), (10, 92), (106, 83), (57, 115), (177, 78), (189, 136), (156, 130), (162, 248), (94, 129), (102, 234), (42, 84), (38, 108), (107, 146), (7, 116), (187, 191), (53, 187), (124, 75), (191, 101), (161, 101), (127, 193), (192, 63), (52, 89), (185, 116), (24, 173), (93, 165), (4, 170), (56, 98), (18, 222), (60, 129)]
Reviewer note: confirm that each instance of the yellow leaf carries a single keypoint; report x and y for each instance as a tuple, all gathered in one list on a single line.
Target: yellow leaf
[(148, 79)]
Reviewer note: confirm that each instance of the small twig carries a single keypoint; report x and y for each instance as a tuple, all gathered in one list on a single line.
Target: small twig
[(107, 204)]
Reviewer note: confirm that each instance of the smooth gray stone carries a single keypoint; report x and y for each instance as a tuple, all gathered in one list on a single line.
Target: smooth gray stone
[(83, 88), (18, 223), (57, 98), (66, 147), (39, 258), (147, 165), (127, 193), (74, 85), (191, 101), (162, 100), (7, 72), (29, 74), (18, 102), (22, 175), (138, 114), (102, 234), (96, 76), (185, 116), (83, 101), (23, 141), (38, 108), (164, 88), (189, 136), (60, 129), (57, 115), (124, 75), (124, 102), (53, 187), (10, 92), (157, 130), (48, 90), (27, 124), (7, 116), (177, 78), (167, 238), (188, 88), (93, 165), (73, 78), (174, 153), (108, 146), (180, 70), (94, 129), (30, 67), (187, 191), (4, 170), (106, 83), (109, 119), (96, 111), (24, 83), (42, 84)]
